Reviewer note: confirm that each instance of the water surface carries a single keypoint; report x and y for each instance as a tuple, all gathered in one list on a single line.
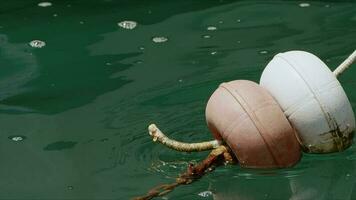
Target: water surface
[(74, 113)]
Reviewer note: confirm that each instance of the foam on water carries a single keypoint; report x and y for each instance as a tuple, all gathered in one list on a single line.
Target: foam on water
[(211, 28), (127, 24), (44, 4), (304, 5), (159, 39), (263, 52), (37, 43), (205, 194), (17, 138)]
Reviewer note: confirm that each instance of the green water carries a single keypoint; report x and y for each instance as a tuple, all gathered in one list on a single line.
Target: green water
[(82, 103)]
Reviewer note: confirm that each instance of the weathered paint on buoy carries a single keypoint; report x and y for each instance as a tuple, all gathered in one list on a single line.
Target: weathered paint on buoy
[(312, 99), (250, 121)]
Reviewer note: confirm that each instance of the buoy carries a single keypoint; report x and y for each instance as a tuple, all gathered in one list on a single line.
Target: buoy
[(312, 99), (249, 125), (250, 121)]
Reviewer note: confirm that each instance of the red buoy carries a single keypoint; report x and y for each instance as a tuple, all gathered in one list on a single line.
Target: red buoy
[(250, 121)]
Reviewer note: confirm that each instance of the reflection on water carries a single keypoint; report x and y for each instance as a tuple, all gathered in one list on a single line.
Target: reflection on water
[(316, 179), (83, 102), (18, 67), (60, 145)]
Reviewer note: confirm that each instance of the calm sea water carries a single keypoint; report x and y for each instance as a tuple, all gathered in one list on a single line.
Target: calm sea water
[(74, 113)]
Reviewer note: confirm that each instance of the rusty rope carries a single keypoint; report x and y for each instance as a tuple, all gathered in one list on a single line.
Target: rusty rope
[(217, 156)]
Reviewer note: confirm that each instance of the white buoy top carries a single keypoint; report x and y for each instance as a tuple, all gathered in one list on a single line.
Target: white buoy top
[(312, 99)]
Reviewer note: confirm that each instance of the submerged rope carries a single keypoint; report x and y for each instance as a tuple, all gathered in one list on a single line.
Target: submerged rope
[(157, 135), (218, 156), (346, 64)]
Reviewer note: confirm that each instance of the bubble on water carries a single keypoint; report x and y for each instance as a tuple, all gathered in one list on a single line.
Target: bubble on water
[(108, 64), (221, 22), (138, 62), (214, 52), (81, 22), (327, 6), (263, 52), (211, 28), (17, 138), (55, 15), (142, 48), (180, 80), (37, 44), (159, 39), (206, 36), (70, 187), (304, 5), (205, 194), (238, 20), (44, 4), (127, 24)]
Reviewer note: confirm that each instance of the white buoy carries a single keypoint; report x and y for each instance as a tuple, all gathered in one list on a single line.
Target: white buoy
[(312, 99)]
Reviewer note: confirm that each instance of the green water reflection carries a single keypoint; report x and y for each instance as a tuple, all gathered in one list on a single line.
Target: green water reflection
[(82, 103)]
